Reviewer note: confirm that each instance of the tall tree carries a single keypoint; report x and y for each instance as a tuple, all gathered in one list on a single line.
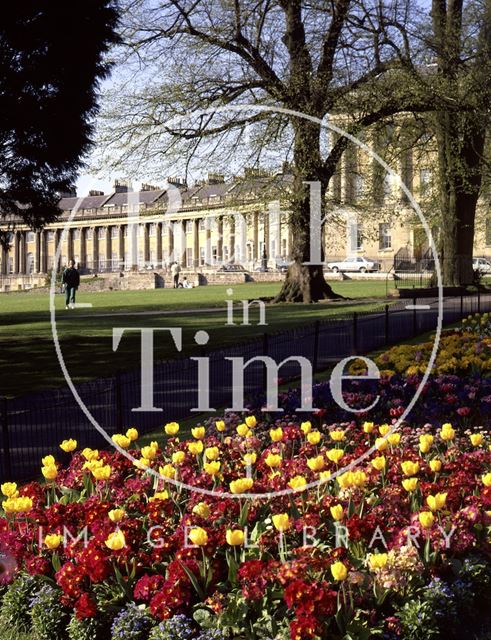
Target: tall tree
[(462, 44), (52, 58), (314, 57)]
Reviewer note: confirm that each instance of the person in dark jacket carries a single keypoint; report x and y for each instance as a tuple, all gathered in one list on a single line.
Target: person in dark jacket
[(71, 281)]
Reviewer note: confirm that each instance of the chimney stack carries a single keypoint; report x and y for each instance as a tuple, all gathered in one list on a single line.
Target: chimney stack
[(95, 192), (149, 187), (176, 181), (121, 186), (215, 178)]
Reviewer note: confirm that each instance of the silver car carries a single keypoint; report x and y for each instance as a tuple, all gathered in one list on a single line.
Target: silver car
[(354, 263), (481, 264)]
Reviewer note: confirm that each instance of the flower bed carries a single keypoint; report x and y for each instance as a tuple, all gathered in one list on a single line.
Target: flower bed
[(394, 546)]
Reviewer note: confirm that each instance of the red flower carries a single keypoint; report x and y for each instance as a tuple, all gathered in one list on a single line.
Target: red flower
[(85, 607)]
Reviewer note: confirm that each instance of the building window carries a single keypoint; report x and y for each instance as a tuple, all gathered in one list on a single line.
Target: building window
[(189, 257), (356, 237), (384, 236), (30, 236), (359, 186), (189, 226), (488, 232), (202, 255), (424, 180)]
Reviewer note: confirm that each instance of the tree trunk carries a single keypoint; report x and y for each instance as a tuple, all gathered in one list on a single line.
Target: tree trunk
[(305, 283)]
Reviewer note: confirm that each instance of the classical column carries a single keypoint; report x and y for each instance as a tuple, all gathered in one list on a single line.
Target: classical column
[(220, 241), (208, 252), (171, 231), (37, 253), (146, 243), (231, 240), (241, 231), (83, 247), (266, 235), (109, 249), (95, 249), (196, 243), (183, 247), (255, 236), (121, 249), (23, 252), (158, 231)]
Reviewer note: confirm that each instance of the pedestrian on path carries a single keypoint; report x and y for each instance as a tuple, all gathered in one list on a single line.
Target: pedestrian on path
[(175, 271), (71, 282)]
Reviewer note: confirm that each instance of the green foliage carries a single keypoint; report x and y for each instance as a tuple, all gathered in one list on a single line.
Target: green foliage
[(15, 607), (418, 622), (49, 618), (87, 629)]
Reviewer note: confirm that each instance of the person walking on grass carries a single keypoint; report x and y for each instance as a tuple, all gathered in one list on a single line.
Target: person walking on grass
[(71, 281), (175, 271)]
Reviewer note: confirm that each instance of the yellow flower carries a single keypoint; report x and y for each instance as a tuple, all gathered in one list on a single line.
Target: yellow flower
[(241, 485), (132, 434), (178, 457), (53, 541), (316, 464), (368, 427), (337, 512), (234, 537), (339, 571), (115, 515), (9, 489), (171, 428), (220, 425), (281, 521), (48, 461), (437, 501), (486, 479), (159, 495), (394, 439), (90, 454), (426, 519), (410, 484), (198, 433), (198, 536), (102, 473), (68, 445), (337, 435), (9, 505), (116, 541), (93, 464), (314, 437), (195, 448), (121, 440), (273, 460), (297, 482), (378, 463), (249, 458), (447, 432), (276, 434), (359, 478), (377, 561), (22, 504), (149, 452), (381, 444), (212, 453), (324, 476), (168, 471), (251, 422), (306, 427), (50, 472), (384, 429), (425, 442), (201, 509), (476, 439), (143, 463), (212, 468), (435, 465), (334, 455), (345, 480), (410, 468), (242, 429)]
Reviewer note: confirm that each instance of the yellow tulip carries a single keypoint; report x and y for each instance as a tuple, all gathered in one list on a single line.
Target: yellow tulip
[(379, 463), (212, 468), (486, 479), (381, 444), (198, 433), (50, 472), (334, 455), (249, 458), (198, 536), (297, 482), (241, 485), (53, 541), (410, 468), (90, 454), (276, 434), (314, 437), (116, 541), (116, 515), (201, 509), (337, 512), (426, 519), (437, 501), (281, 521), (48, 461), (234, 537), (339, 571), (316, 464), (102, 473), (68, 445), (377, 561), (195, 448), (337, 435), (368, 427), (306, 427), (178, 457), (410, 484), (220, 425), (9, 489), (447, 432), (171, 428), (212, 453), (22, 504), (273, 460), (384, 429), (251, 422), (476, 439), (242, 429), (149, 452), (394, 439), (121, 440), (159, 495), (132, 434), (359, 478), (435, 465), (167, 471), (324, 476)]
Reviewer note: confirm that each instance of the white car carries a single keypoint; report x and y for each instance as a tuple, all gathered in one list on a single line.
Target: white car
[(354, 263), (481, 264)]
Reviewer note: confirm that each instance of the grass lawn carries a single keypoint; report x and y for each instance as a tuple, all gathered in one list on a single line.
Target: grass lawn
[(28, 360)]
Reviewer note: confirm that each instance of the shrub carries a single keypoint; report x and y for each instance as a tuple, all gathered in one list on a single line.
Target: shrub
[(131, 623), (16, 602), (49, 618)]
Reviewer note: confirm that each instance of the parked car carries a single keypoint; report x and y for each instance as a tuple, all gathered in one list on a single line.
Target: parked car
[(481, 264), (354, 263)]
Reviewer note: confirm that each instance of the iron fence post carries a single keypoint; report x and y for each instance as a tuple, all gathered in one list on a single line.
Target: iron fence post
[(7, 461)]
